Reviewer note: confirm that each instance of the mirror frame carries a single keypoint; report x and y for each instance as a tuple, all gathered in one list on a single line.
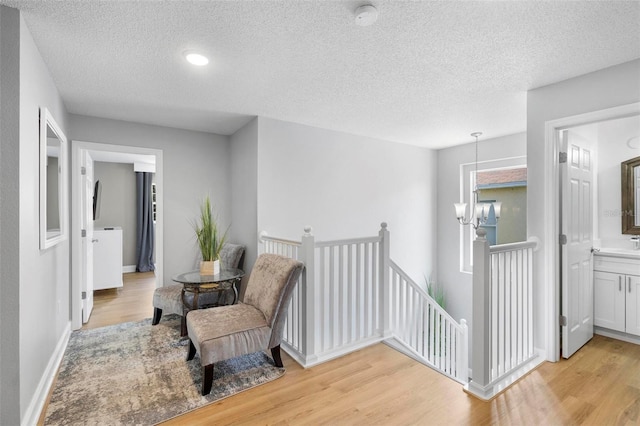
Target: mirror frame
[(628, 201), (51, 239)]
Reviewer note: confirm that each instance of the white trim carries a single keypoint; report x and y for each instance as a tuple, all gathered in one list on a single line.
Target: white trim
[(551, 275), (399, 346), (330, 355), (76, 253), (36, 405), (128, 269), (303, 361), (50, 239), (490, 391), (144, 167), (625, 337)]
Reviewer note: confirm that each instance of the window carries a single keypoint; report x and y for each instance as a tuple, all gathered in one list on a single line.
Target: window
[(508, 186), (503, 180)]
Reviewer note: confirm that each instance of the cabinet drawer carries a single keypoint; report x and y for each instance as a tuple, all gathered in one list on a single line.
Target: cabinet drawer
[(617, 265)]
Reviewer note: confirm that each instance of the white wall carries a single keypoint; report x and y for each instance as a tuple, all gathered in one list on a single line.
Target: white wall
[(457, 283), (614, 86), (344, 186), (118, 204), (44, 274), (613, 150), (195, 164), (244, 192), (9, 216)]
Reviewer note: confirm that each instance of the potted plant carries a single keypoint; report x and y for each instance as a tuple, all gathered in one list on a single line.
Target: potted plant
[(210, 240)]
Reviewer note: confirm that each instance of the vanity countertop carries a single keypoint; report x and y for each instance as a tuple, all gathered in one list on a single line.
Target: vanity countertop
[(619, 252)]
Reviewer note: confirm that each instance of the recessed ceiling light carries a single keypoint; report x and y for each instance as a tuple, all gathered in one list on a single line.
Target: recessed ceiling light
[(196, 58)]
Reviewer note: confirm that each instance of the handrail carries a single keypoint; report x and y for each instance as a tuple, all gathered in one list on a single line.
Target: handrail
[(265, 237), (500, 248), (362, 240), (422, 291)]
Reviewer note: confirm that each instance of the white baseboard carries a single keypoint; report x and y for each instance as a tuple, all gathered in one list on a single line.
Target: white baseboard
[(128, 268), (313, 360), (630, 338), (42, 391), (492, 390), (398, 345)]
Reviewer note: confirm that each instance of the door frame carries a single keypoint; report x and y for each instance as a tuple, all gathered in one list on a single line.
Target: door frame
[(76, 206), (551, 277), (86, 223)]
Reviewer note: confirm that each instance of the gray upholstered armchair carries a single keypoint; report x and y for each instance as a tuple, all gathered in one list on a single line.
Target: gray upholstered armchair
[(168, 299), (250, 326)]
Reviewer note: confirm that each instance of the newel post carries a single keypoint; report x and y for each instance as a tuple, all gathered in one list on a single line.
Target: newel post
[(308, 291), (481, 338), (384, 285)]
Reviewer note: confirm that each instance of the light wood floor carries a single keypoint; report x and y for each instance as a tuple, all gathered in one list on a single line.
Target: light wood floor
[(599, 385), (132, 302)]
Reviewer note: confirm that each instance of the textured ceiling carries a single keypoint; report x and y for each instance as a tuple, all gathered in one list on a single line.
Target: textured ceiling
[(426, 73)]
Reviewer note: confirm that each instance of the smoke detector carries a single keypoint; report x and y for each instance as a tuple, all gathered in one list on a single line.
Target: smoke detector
[(366, 15)]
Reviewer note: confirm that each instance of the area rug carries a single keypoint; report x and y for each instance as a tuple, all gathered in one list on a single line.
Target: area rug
[(136, 374)]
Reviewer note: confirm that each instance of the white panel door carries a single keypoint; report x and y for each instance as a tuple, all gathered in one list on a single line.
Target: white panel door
[(633, 304), (87, 240), (577, 271)]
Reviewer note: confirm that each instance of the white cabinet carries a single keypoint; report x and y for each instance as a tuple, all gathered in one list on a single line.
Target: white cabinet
[(633, 305), (616, 286), (107, 258)]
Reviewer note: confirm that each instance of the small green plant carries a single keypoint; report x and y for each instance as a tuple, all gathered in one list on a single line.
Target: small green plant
[(436, 291), (208, 235)]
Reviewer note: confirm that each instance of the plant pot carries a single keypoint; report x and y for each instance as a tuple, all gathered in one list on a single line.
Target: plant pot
[(210, 267)]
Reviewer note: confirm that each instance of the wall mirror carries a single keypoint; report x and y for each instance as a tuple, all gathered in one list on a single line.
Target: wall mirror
[(630, 186), (53, 182)]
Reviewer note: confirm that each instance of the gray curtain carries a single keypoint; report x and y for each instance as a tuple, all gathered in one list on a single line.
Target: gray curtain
[(145, 234)]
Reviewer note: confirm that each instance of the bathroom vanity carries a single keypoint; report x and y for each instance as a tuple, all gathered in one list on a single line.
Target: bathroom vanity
[(616, 286)]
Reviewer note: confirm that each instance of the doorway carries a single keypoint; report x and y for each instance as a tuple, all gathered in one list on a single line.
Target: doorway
[(552, 277), (117, 153)]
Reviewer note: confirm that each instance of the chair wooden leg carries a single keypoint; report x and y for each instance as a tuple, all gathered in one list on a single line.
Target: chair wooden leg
[(275, 353), (207, 379), (157, 314), (183, 326), (192, 351)]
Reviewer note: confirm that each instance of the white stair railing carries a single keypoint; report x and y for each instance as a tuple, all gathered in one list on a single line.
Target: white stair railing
[(335, 306), (425, 329), (502, 341), (296, 323), (351, 295)]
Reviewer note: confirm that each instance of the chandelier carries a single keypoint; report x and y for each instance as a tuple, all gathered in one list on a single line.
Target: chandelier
[(479, 211)]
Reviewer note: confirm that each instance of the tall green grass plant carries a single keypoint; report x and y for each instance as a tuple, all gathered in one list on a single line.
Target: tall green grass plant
[(210, 239)]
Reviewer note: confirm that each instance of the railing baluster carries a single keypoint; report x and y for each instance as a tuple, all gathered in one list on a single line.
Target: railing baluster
[(366, 273), (375, 285), (324, 291), (507, 311), (513, 307), (530, 289), (494, 309)]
